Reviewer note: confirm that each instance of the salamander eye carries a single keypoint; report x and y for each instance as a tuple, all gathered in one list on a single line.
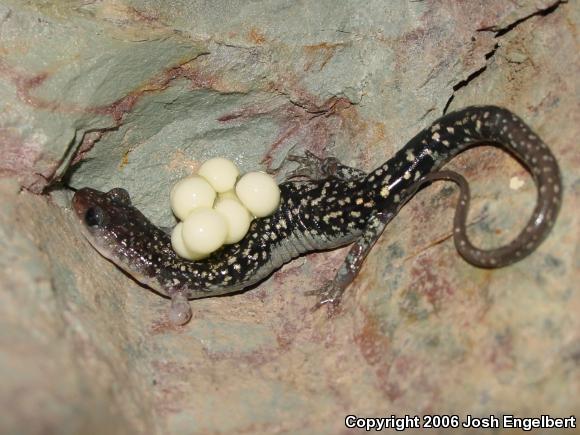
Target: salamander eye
[(120, 196), (94, 217)]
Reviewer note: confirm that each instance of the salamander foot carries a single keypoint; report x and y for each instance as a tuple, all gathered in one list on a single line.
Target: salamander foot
[(330, 295), (313, 167)]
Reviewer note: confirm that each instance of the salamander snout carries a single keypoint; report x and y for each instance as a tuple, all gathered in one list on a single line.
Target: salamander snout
[(93, 207), (85, 199)]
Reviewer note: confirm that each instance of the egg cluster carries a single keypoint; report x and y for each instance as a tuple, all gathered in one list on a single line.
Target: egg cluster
[(216, 207)]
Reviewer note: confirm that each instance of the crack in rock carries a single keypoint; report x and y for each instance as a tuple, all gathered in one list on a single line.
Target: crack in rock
[(499, 32), (470, 77), (541, 13)]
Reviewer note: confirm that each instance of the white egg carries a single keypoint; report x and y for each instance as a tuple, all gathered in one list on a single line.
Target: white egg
[(190, 193), (221, 173), (230, 194), (179, 245), (204, 230), (237, 217), (259, 193)]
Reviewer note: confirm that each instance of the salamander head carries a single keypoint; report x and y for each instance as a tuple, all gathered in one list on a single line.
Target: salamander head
[(120, 232)]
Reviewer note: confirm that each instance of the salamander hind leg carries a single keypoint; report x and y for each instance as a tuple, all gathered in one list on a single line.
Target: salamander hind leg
[(331, 292), (315, 168)]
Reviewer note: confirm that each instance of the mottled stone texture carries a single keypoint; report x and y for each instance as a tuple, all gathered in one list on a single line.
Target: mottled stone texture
[(136, 93)]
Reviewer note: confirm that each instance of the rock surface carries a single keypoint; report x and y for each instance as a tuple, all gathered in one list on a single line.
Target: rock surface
[(134, 94)]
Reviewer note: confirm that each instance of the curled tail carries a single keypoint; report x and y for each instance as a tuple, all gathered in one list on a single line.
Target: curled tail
[(486, 125)]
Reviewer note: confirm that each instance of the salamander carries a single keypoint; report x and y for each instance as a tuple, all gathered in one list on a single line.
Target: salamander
[(325, 204)]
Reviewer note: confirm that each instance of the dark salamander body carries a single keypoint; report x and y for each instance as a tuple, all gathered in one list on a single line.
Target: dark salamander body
[(335, 205)]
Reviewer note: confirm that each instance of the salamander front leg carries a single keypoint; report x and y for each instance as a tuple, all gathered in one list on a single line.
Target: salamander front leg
[(316, 168), (180, 312), (331, 293)]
